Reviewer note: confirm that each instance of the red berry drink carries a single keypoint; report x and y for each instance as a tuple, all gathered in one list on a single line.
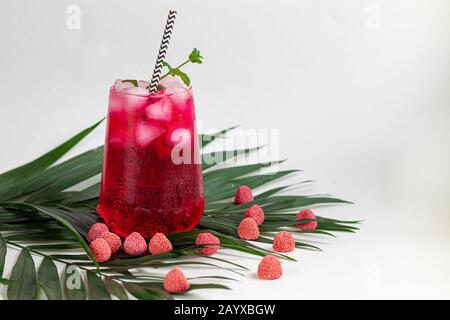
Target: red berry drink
[(152, 175)]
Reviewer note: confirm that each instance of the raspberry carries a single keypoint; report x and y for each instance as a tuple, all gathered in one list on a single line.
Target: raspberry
[(96, 231), (269, 268), (175, 281), (306, 214), (248, 229), (135, 244), (243, 195), (210, 239), (159, 244), (256, 213), (283, 242), (113, 240), (101, 250)]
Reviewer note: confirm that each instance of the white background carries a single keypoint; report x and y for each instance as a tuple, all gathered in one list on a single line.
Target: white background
[(358, 89)]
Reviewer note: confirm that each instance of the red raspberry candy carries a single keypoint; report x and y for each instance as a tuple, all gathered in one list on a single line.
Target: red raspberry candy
[(113, 240), (269, 268), (210, 239), (248, 229), (256, 213), (135, 244), (159, 244), (175, 281), (283, 242), (243, 195), (101, 250), (306, 214), (96, 231)]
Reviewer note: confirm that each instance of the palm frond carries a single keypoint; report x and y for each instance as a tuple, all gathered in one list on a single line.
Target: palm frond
[(42, 213)]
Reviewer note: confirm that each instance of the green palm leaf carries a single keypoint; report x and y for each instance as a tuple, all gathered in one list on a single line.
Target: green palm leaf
[(146, 292), (212, 159), (14, 177), (206, 139), (43, 214), (48, 279), (115, 288), (3, 250), (97, 289), (23, 276)]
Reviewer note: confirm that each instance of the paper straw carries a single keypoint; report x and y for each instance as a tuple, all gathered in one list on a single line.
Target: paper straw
[(162, 51)]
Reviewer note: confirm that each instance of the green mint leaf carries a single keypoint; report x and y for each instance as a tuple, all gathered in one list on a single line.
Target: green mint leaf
[(195, 56), (172, 71), (165, 64), (182, 75), (133, 82)]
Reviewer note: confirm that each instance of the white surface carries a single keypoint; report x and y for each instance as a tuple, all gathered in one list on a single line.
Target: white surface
[(362, 107)]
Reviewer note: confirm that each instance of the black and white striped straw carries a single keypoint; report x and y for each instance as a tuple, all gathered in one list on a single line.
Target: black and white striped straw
[(162, 51)]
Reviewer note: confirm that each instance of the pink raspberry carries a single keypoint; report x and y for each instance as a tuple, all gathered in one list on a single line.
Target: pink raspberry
[(269, 268), (283, 242), (243, 195), (256, 213), (175, 281), (248, 229), (135, 244), (159, 244), (306, 214), (113, 240), (209, 239), (96, 231), (101, 250)]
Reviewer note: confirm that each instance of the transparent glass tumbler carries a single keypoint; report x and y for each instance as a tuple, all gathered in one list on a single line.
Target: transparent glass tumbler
[(152, 175)]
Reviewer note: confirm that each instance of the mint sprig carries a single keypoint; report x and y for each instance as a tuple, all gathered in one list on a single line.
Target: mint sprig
[(176, 72), (194, 57)]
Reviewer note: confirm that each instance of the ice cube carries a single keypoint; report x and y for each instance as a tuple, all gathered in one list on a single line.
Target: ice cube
[(146, 133), (119, 85), (116, 104), (180, 98), (136, 91), (135, 100), (161, 110), (143, 84), (170, 81)]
